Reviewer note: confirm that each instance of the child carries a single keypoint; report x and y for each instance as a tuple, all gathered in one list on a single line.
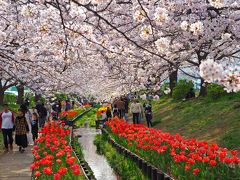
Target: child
[(21, 130), (34, 126)]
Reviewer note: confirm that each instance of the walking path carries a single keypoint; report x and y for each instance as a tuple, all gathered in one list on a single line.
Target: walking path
[(97, 163), (15, 165)]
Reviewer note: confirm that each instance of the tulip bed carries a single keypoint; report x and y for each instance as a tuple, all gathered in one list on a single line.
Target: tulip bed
[(53, 157), (71, 114), (180, 158)]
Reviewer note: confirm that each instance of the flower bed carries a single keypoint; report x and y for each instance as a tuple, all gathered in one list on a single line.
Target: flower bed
[(102, 110), (178, 157), (68, 114), (53, 157)]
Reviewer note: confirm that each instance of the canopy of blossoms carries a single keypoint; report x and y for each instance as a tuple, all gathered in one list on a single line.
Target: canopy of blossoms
[(111, 47)]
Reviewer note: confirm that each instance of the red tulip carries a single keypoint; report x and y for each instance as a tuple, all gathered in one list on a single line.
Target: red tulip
[(62, 170), (58, 161), (206, 159), (56, 176), (187, 167), (47, 170), (37, 173), (196, 171), (213, 163), (76, 171)]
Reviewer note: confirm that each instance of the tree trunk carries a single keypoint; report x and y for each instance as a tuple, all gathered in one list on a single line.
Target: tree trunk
[(20, 98), (1, 96), (203, 88), (173, 76)]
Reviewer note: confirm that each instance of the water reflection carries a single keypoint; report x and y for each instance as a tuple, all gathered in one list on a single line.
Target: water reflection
[(98, 163)]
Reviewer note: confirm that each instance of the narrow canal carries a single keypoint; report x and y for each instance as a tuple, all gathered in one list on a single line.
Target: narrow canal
[(97, 163)]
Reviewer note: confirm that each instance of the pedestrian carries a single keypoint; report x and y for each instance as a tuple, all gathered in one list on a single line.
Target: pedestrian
[(121, 107), (21, 130), (27, 102), (28, 116), (190, 94), (34, 126), (6, 126), (141, 114), (148, 113), (42, 111), (68, 105), (38, 105), (135, 109), (62, 105), (109, 113), (115, 111), (126, 109), (73, 104)]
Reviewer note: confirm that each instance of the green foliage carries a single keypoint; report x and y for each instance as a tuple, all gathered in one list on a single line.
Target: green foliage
[(90, 117), (181, 89), (125, 167), (97, 105), (61, 96), (231, 138), (32, 101), (10, 99), (203, 118), (215, 91), (164, 86)]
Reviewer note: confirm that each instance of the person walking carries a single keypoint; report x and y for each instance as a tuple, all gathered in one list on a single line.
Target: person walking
[(73, 104), (59, 106), (126, 109), (115, 111), (68, 105), (27, 102), (34, 126), (141, 114), (42, 111), (6, 126), (148, 113), (109, 113), (28, 116), (121, 107), (135, 109), (21, 130)]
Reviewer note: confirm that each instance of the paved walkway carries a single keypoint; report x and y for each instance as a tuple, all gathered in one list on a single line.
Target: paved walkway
[(15, 165)]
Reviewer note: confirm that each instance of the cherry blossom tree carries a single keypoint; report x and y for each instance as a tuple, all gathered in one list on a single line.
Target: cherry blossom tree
[(113, 46)]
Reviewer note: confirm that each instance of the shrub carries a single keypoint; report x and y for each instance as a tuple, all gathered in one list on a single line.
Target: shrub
[(215, 91), (181, 89), (10, 98)]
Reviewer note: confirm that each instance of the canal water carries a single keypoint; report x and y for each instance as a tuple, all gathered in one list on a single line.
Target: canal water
[(98, 163)]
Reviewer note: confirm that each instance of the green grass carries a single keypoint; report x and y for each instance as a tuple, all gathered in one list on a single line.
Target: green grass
[(202, 118), (124, 167), (90, 117)]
